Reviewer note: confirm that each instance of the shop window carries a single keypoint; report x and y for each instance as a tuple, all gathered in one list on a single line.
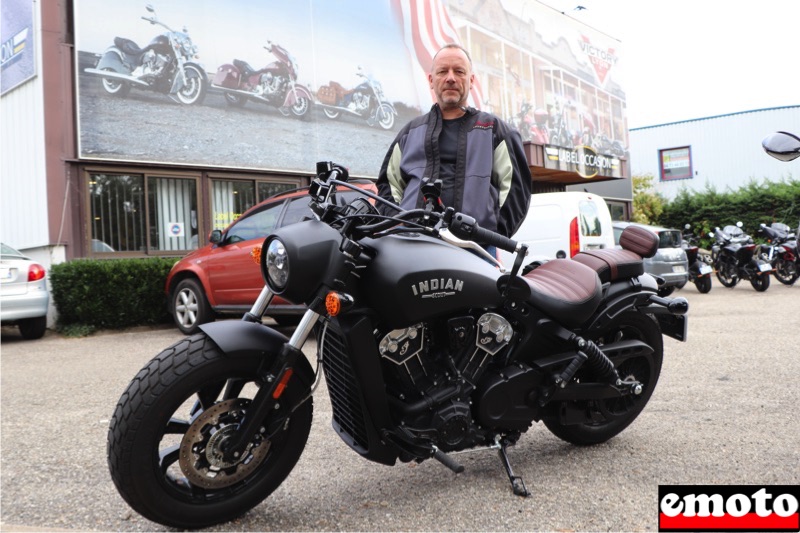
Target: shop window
[(132, 214), (231, 198)]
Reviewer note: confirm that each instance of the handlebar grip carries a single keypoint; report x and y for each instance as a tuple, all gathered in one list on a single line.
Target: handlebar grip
[(465, 227)]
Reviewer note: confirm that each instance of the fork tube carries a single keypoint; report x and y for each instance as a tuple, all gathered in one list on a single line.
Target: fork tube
[(262, 302), (304, 329)]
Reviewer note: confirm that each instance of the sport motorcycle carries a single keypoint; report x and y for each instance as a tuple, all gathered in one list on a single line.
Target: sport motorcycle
[(366, 100), (275, 84), (699, 270), (428, 347), (734, 258), (166, 65), (780, 251)]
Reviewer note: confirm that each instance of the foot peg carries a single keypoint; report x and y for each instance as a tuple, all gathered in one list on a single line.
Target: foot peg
[(447, 461), (516, 482)]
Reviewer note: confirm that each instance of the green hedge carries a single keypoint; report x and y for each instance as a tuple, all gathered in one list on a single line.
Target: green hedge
[(110, 294), (752, 204)]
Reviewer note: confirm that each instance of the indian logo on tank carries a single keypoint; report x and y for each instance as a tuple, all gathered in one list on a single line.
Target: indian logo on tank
[(437, 287)]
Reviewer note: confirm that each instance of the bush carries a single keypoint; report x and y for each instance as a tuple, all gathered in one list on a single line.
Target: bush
[(110, 294), (752, 204)]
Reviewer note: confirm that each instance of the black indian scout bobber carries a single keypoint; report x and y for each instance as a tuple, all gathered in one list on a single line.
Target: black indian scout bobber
[(426, 347)]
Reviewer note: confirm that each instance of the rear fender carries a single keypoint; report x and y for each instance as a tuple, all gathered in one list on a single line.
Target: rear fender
[(114, 60), (237, 338)]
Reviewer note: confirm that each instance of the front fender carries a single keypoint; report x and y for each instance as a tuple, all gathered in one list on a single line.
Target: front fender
[(237, 338), (292, 95)]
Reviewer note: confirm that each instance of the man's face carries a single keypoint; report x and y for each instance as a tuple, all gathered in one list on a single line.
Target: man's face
[(451, 78)]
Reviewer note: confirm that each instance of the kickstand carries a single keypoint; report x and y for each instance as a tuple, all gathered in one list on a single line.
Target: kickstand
[(516, 482)]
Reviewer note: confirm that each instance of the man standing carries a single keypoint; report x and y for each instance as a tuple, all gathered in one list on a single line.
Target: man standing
[(478, 157)]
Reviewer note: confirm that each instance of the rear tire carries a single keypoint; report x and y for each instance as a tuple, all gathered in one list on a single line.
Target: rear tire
[(703, 284), (616, 414), (190, 307), (235, 100), (760, 283), (727, 275), (33, 328), (116, 87), (165, 436)]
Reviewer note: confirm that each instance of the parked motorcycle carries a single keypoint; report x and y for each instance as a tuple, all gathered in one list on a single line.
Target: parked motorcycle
[(275, 85), (366, 101), (427, 344), (166, 65), (734, 257), (532, 129), (781, 252), (699, 270), (785, 146)]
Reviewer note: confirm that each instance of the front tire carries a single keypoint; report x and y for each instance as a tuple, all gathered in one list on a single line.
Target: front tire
[(385, 117), (190, 307), (165, 436), (612, 416), (193, 91), (300, 107)]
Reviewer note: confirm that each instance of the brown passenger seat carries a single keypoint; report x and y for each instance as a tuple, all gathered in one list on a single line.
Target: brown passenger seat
[(612, 264)]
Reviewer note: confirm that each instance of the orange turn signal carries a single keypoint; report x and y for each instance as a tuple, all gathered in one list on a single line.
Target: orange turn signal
[(255, 253), (333, 304), (281, 386)]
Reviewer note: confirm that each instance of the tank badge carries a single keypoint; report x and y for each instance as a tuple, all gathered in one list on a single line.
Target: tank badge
[(437, 288)]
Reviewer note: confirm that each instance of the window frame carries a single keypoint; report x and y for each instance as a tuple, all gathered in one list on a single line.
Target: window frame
[(661, 169)]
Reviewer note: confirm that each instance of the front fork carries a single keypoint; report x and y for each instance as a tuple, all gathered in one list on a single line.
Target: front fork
[(276, 378)]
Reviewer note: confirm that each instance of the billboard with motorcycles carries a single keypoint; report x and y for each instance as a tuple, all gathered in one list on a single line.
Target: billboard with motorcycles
[(279, 86)]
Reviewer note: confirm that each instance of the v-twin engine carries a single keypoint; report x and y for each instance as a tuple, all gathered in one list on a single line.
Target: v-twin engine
[(435, 367)]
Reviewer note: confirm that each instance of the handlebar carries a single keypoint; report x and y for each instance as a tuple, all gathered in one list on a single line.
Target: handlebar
[(465, 227)]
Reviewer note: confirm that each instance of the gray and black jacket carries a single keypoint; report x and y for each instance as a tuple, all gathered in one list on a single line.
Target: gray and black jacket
[(492, 182)]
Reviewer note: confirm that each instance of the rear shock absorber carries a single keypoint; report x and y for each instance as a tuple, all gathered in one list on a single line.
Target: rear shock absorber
[(591, 355)]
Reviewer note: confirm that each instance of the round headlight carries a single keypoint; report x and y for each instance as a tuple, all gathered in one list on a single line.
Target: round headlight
[(277, 264)]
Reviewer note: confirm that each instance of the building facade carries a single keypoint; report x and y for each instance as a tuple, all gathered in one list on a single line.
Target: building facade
[(721, 152), (97, 162)]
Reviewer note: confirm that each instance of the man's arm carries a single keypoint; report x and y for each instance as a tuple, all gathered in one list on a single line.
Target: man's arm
[(512, 177)]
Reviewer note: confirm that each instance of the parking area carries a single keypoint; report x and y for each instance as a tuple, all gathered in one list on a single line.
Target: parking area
[(725, 412)]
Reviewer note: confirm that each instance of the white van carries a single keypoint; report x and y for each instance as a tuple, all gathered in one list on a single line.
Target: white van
[(561, 224)]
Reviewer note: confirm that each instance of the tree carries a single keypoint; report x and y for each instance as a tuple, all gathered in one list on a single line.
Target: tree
[(647, 205)]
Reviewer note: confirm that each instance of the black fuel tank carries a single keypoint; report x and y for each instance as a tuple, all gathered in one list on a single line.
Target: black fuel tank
[(415, 278)]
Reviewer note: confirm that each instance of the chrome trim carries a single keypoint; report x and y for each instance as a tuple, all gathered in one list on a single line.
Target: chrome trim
[(304, 329), (262, 302)]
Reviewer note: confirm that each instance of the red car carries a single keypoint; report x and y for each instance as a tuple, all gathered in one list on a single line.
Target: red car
[(223, 278)]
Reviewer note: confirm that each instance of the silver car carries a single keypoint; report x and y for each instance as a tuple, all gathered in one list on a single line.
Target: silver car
[(23, 293), (669, 263)]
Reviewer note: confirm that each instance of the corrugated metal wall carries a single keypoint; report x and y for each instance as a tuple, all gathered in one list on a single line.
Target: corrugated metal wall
[(726, 149), (23, 180)]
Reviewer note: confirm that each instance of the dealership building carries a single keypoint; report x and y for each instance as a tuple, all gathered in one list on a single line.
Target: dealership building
[(101, 167)]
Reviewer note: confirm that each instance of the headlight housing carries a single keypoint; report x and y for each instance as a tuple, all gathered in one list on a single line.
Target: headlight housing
[(277, 263)]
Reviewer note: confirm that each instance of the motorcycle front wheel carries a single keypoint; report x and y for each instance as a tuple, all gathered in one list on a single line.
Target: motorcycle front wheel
[(786, 271), (194, 90), (166, 436), (385, 117), (300, 107), (727, 275), (610, 417)]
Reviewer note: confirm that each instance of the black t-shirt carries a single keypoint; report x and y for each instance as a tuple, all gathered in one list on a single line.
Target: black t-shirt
[(448, 154)]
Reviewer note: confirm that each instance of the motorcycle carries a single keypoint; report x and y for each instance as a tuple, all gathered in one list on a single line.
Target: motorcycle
[(734, 257), (785, 146), (165, 65), (366, 101), (275, 85), (699, 270), (427, 344), (781, 252), (535, 130)]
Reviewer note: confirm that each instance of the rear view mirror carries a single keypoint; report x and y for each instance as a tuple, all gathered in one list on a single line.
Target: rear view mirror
[(782, 145)]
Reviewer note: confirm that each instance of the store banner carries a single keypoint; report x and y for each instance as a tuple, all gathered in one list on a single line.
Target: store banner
[(18, 57), (278, 86)]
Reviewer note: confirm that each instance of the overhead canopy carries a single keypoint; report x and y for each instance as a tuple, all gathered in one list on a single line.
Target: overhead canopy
[(571, 166)]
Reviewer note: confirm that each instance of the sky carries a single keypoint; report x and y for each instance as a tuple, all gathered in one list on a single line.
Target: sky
[(686, 59)]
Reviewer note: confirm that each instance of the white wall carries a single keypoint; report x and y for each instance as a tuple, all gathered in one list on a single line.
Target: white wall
[(726, 150)]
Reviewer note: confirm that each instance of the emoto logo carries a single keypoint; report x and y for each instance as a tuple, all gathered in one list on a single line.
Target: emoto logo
[(728, 508)]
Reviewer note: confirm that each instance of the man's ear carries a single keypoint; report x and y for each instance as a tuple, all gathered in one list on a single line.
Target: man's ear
[(430, 80)]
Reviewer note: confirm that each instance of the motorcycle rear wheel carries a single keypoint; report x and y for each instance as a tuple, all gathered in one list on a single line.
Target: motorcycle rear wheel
[(703, 284), (786, 271), (165, 436), (116, 87), (727, 275), (331, 114), (760, 282), (614, 415), (235, 100)]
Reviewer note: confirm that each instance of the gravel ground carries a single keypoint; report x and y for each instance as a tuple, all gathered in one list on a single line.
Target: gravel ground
[(725, 412)]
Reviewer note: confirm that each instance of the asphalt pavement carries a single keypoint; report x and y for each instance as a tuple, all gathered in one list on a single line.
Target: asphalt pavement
[(725, 412)]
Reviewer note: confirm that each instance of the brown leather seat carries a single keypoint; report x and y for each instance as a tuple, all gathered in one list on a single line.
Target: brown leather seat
[(612, 264), (565, 290)]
